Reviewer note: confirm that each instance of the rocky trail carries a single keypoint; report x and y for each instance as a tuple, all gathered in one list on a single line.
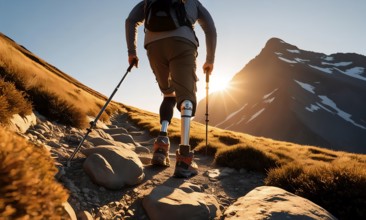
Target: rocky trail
[(91, 201), (122, 184)]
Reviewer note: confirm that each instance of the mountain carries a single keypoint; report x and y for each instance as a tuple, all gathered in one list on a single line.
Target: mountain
[(294, 95)]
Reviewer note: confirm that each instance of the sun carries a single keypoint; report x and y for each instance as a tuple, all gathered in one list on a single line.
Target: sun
[(218, 83)]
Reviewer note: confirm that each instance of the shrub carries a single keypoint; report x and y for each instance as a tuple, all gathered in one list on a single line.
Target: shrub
[(243, 156), (28, 189), (341, 189)]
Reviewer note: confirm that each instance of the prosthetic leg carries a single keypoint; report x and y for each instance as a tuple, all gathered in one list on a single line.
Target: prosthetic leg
[(185, 166)]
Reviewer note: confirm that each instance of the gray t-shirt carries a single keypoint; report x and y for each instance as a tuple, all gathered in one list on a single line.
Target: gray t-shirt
[(195, 12)]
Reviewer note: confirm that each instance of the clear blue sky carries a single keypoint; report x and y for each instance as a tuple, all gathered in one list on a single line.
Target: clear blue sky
[(86, 38)]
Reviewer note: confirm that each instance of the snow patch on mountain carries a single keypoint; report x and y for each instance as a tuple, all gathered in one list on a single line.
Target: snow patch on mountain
[(301, 60), (354, 72), (287, 60), (337, 64), (255, 115), (231, 115), (268, 101), (329, 58), (269, 94), (266, 98), (306, 86), (312, 108), (293, 51), (323, 69), (346, 116)]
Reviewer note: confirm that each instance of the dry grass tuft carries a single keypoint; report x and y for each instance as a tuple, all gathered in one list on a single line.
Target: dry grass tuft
[(56, 108), (28, 189), (12, 102), (244, 156)]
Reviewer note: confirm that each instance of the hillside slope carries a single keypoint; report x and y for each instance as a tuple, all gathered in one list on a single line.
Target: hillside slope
[(44, 85)]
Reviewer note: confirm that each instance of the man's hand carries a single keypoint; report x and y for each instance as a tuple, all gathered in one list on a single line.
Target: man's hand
[(208, 68), (133, 58)]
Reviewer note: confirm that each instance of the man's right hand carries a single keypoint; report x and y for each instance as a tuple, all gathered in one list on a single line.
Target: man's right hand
[(133, 58), (208, 68)]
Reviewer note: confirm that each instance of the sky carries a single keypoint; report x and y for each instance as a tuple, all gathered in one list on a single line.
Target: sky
[(86, 38)]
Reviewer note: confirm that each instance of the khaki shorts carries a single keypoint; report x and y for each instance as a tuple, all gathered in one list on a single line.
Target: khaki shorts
[(173, 61)]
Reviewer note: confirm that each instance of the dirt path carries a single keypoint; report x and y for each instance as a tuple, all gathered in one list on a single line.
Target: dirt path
[(226, 184)]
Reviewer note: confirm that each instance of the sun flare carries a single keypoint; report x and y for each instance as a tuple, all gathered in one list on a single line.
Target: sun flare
[(218, 83)]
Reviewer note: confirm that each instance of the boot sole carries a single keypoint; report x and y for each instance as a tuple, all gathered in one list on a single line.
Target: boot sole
[(181, 173), (160, 160)]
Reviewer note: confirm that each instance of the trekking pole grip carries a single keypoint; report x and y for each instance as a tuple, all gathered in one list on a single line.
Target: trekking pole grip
[(207, 77), (133, 63)]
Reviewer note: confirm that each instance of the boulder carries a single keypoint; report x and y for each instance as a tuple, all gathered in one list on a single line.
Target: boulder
[(173, 203), (267, 202), (113, 167)]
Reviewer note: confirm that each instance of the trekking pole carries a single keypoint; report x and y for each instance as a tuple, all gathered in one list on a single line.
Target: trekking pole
[(93, 123), (207, 83)]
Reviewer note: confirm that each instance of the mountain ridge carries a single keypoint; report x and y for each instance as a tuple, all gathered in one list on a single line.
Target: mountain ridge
[(295, 95)]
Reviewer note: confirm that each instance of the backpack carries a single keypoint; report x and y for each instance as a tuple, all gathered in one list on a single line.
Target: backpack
[(165, 15)]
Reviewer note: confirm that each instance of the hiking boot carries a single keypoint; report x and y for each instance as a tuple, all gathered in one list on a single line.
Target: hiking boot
[(161, 151), (185, 166)]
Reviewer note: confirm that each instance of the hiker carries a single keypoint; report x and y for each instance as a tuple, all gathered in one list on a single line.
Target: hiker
[(172, 56)]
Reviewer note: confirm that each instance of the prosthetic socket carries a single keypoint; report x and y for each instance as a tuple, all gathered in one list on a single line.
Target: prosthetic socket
[(186, 109)]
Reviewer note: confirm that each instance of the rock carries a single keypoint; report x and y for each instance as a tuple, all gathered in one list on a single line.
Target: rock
[(37, 134), (53, 144), (190, 187), (267, 202), (22, 124), (142, 149), (99, 141), (214, 173), (100, 133), (113, 131), (148, 143), (136, 133), (124, 138), (113, 167), (99, 124), (173, 203), (73, 138)]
